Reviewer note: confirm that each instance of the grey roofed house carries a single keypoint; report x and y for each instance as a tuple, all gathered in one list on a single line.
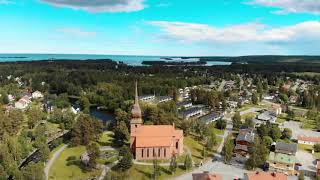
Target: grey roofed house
[(241, 147), (164, 99), (267, 116), (192, 112), (147, 97), (211, 117), (249, 137), (184, 104), (286, 148)]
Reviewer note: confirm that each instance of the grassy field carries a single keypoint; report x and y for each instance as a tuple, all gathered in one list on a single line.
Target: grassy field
[(195, 148), (67, 166)]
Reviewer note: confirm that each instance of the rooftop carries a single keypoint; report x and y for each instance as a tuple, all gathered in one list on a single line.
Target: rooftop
[(156, 135), (309, 139), (285, 147), (282, 158), (206, 176), (266, 176)]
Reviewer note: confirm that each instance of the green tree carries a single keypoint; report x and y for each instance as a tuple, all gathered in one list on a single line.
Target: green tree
[(221, 124), (204, 152), (33, 172), (286, 133), (254, 98), (156, 169), (34, 115), (316, 147), (236, 120), (44, 152), (188, 162), (301, 175), (85, 104), (227, 150), (125, 162), (93, 153), (121, 134), (275, 133), (86, 130), (211, 141), (173, 164)]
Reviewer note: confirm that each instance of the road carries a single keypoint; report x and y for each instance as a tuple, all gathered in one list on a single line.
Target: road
[(217, 166), (52, 159), (222, 85)]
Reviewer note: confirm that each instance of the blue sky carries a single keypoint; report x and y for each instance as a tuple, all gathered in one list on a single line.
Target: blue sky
[(160, 27)]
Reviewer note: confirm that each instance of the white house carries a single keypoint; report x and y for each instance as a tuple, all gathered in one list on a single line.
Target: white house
[(308, 140), (22, 103), (37, 95)]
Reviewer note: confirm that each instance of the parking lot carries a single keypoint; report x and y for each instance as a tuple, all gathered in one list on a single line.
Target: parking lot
[(297, 131)]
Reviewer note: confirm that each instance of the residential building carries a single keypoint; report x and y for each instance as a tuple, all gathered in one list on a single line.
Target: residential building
[(244, 141), (23, 102), (283, 158), (184, 104), (264, 117), (37, 95), (192, 112), (308, 140), (162, 99), (147, 98), (265, 176), (206, 176), (211, 117), (153, 141), (277, 109)]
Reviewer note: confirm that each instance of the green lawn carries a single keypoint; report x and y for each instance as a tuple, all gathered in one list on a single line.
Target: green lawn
[(249, 115), (65, 169), (106, 138), (195, 148), (212, 127)]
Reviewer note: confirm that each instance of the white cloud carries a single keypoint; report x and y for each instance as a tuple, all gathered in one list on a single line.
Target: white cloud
[(250, 32), (77, 32), (290, 6), (100, 5), (6, 2)]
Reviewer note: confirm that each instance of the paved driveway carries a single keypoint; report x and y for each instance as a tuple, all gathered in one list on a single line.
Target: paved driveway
[(307, 160), (228, 172), (297, 131)]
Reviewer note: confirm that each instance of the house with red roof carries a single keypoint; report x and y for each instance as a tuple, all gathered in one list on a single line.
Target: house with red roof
[(265, 176), (308, 140), (206, 176)]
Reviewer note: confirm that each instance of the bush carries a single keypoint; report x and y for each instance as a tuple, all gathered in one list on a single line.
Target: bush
[(221, 124), (316, 147)]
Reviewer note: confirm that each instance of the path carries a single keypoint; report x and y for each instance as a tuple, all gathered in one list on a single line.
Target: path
[(222, 85), (105, 169), (52, 159)]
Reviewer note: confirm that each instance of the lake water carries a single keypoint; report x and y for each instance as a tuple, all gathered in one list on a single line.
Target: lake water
[(128, 59), (101, 114)]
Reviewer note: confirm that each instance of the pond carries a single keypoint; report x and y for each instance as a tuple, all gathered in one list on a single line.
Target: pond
[(101, 114)]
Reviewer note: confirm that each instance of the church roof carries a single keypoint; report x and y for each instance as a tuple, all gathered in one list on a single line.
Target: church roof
[(156, 135)]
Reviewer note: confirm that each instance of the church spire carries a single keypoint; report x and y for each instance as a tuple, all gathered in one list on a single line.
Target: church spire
[(136, 98), (136, 111)]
